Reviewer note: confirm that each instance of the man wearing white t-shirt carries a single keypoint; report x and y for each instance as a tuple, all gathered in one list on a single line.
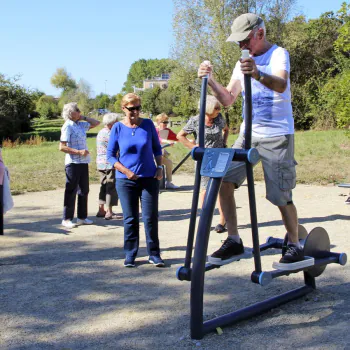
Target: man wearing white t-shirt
[(272, 133)]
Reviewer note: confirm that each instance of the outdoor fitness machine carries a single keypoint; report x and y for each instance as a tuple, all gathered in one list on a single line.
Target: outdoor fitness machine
[(214, 162)]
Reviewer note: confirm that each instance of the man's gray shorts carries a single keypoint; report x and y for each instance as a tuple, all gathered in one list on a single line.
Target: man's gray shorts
[(277, 157)]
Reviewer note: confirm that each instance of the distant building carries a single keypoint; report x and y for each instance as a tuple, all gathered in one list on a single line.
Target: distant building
[(161, 81)]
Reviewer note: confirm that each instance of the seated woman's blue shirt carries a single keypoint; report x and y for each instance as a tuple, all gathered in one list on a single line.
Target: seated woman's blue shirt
[(137, 148)]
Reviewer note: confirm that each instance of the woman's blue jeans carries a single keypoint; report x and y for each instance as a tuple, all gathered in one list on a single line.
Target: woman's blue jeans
[(130, 193)]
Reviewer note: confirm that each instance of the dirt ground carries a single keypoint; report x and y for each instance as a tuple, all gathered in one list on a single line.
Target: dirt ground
[(69, 290)]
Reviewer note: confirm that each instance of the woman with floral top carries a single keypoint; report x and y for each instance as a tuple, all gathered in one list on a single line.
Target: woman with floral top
[(108, 194)]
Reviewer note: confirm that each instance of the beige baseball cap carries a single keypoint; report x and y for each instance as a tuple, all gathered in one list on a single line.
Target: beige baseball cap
[(243, 25)]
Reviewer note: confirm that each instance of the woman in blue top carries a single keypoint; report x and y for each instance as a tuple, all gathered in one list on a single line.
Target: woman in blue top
[(137, 177)]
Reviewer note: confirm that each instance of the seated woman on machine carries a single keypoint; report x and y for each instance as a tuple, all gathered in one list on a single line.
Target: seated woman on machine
[(216, 134), (166, 137)]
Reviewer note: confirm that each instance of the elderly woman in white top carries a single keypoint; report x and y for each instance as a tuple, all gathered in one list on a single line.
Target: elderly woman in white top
[(73, 143), (108, 196)]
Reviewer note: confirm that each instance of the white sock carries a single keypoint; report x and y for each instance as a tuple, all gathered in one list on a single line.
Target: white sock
[(235, 238), (298, 245)]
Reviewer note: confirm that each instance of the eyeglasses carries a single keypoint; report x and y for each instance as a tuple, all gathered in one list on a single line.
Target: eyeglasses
[(131, 109), (217, 108), (165, 122), (245, 42)]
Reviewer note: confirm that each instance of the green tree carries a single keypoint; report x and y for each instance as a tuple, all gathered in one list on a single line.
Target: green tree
[(314, 67), (61, 79), (15, 106), (342, 44), (146, 69), (165, 101), (184, 85), (111, 105), (149, 100), (201, 28), (102, 101), (47, 107), (80, 95), (117, 103), (332, 102), (35, 95)]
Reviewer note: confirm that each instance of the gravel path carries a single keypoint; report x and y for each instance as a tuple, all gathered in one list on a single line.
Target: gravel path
[(69, 290)]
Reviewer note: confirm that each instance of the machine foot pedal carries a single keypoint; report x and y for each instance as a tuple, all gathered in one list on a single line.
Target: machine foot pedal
[(308, 261)]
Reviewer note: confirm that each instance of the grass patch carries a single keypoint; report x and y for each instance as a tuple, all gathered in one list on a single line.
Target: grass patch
[(322, 156), (50, 130)]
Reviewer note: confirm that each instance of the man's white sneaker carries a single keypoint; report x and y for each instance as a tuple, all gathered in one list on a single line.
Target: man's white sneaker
[(84, 221), (171, 186), (68, 224)]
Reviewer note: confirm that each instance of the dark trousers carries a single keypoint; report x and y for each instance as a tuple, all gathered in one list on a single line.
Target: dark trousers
[(77, 181), (130, 193)]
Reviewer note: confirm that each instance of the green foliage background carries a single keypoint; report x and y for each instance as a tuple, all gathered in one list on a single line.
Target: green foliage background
[(320, 68), (319, 52)]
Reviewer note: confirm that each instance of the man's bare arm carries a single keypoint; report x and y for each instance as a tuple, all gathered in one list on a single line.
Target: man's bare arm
[(276, 82), (227, 96)]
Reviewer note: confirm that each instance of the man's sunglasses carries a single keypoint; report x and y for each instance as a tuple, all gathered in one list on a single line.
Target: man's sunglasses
[(245, 42), (131, 109)]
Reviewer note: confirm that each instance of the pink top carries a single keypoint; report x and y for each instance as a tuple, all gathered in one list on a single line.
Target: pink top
[(2, 169), (171, 135)]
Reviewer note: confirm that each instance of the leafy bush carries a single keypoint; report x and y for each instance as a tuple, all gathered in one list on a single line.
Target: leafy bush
[(47, 107), (15, 107), (334, 102)]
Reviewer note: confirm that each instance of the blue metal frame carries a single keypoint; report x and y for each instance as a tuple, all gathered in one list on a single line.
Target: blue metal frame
[(196, 274)]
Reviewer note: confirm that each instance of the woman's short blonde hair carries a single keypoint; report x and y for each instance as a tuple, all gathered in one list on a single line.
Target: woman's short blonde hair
[(130, 98), (210, 105), (68, 109), (160, 118)]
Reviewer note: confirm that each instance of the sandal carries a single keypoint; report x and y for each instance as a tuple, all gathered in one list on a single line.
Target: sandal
[(113, 216), (220, 228)]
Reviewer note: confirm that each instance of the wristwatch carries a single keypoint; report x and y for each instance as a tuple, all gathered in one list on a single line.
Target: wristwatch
[(261, 75), (160, 167)]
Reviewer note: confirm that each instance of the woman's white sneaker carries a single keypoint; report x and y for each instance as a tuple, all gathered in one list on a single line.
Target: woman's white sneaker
[(68, 224), (84, 222), (170, 186)]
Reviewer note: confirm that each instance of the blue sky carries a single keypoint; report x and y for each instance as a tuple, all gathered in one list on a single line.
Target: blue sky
[(93, 40)]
